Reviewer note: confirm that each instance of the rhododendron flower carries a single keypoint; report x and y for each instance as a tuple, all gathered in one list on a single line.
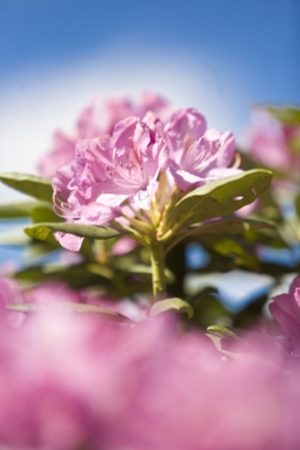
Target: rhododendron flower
[(131, 163), (269, 141), (108, 171), (10, 292), (92, 123), (112, 171), (49, 293), (70, 382), (117, 109), (64, 145), (123, 246), (285, 308), (198, 155)]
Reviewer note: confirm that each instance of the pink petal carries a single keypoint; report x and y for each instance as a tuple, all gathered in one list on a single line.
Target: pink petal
[(69, 241), (185, 127)]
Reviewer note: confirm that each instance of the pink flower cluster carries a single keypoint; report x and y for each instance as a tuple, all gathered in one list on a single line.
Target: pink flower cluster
[(69, 382), (271, 142), (124, 167), (285, 308), (93, 123)]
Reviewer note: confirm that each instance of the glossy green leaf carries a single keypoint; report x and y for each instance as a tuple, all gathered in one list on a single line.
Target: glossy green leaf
[(171, 303), (32, 185), (220, 331), (16, 210), (297, 205), (288, 115), (40, 231), (233, 247), (221, 197), (141, 269), (44, 213), (66, 307), (225, 245), (231, 225), (77, 276), (101, 270), (205, 290), (208, 310)]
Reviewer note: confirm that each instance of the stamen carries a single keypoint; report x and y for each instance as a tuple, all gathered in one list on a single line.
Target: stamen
[(237, 161)]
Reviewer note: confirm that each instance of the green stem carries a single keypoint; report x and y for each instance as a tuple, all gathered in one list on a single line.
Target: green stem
[(158, 269)]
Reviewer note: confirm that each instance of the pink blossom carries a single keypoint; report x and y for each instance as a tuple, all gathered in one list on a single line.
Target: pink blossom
[(107, 171), (69, 382), (124, 167), (51, 292), (117, 109), (285, 308), (268, 141), (198, 155), (10, 292), (63, 149), (69, 241), (132, 163), (112, 171), (89, 125), (123, 246), (248, 209)]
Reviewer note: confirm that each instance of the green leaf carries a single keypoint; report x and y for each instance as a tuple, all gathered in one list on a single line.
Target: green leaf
[(230, 226), (208, 309), (141, 269), (288, 115), (44, 213), (225, 245), (221, 197), (40, 231), (222, 332), (233, 247), (77, 276), (37, 187), (65, 307), (16, 210), (297, 205), (171, 303), (101, 270)]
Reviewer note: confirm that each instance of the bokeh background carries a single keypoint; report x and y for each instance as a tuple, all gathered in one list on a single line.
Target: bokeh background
[(220, 56)]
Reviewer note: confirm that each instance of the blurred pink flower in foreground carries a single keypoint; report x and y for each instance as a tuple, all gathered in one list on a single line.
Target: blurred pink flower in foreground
[(92, 123), (70, 381), (285, 308)]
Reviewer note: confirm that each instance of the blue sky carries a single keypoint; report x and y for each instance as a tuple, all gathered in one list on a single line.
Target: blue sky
[(261, 37), (219, 56)]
